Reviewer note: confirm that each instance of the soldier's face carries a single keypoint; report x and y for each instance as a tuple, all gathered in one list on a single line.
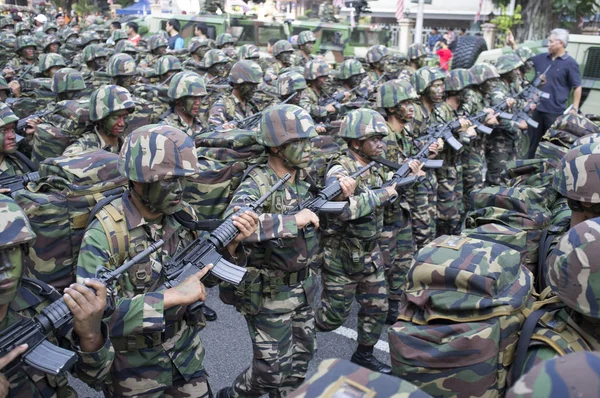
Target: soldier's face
[(11, 268), (296, 99), (372, 146), (161, 50), (285, 58), (355, 80), (53, 48), (8, 139), (435, 92), (321, 80), (164, 196), (297, 154), (219, 69), (308, 47), (247, 90), (488, 85), (100, 62), (513, 75), (191, 105), (29, 52), (406, 110), (115, 123)]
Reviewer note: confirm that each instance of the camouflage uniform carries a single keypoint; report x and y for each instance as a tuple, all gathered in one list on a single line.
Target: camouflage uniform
[(280, 285), (301, 57), (91, 367), (378, 57), (24, 69), (11, 162), (157, 352), (353, 263), (185, 85), (310, 97), (282, 48)]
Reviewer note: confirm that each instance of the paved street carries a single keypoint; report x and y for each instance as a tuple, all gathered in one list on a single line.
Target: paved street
[(228, 349)]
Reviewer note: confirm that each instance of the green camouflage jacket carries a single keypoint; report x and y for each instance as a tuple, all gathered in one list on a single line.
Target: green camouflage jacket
[(91, 367), (309, 100), (228, 108), (471, 102), (501, 92), (20, 66), (11, 165), (421, 119), (89, 141), (174, 120)]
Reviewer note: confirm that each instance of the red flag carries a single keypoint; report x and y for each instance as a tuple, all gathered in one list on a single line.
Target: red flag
[(478, 15), (399, 10)]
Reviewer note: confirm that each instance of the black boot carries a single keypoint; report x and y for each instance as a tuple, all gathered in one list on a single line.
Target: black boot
[(392, 315), (365, 358), (226, 392), (209, 313)]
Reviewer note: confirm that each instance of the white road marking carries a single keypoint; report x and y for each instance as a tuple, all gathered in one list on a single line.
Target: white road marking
[(351, 334)]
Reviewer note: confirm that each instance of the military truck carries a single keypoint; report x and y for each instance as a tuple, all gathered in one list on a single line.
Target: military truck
[(585, 49)]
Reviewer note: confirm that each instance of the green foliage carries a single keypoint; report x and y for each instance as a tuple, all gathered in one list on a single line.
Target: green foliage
[(124, 3), (505, 22), (84, 7)]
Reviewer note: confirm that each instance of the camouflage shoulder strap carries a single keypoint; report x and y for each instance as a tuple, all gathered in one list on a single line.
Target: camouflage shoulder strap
[(40, 289), (23, 161), (263, 179), (111, 220)]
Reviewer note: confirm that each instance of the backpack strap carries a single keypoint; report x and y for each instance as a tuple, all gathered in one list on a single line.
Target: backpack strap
[(113, 221), (546, 240), (28, 164)]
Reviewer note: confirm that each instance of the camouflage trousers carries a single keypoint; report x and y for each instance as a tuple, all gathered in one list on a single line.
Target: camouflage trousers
[(422, 199), (500, 148), (449, 200), (473, 159), (197, 387), (397, 248), (340, 289), (283, 343)]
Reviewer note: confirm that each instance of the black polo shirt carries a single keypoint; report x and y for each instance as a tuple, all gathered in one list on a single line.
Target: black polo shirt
[(561, 78)]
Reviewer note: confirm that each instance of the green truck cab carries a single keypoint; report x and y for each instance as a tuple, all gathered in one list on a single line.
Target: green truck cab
[(585, 49)]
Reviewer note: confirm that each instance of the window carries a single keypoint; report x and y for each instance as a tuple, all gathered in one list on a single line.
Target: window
[(368, 38), (245, 34), (331, 38), (265, 33), (592, 64)]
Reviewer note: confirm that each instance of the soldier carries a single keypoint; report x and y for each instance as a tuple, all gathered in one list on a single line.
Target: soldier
[(397, 242), (12, 162), (280, 285), (417, 54), (186, 90), (226, 43), (167, 66), (25, 298), (157, 351), (527, 70), (157, 45), (216, 63), (283, 53), (122, 70), (353, 265), (50, 28), (85, 40), (245, 76), (378, 58), (306, 44), (118, 36), (49, 63), (22, 29), (109, 108), (316, 73), (24, 65), (249, 51), (351, 73), (197, 48), (93, 71), (51, 44)]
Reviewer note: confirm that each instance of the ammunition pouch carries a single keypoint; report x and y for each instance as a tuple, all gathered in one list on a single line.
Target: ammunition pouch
[(148, 340)]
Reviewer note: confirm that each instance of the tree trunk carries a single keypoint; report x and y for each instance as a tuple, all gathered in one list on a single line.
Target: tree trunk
[(538, 20)]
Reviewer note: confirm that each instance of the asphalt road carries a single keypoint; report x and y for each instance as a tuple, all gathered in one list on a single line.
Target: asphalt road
[(229, 351)]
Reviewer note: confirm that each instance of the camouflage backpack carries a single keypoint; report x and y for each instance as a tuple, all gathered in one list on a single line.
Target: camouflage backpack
[(58, 207), (559, 138), (464, 302)]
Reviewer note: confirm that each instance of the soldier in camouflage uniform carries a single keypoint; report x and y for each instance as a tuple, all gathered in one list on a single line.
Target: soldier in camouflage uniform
[(216, 63), (157, 45), (280, 285), (118, 36), (396, 242), (429, 84), (12, 162), (95, 58), (316, 73), (196, 48), (51, 44), (23, 66), (378, 58), (284, 55), (250, 52), (127, 47), (353, 265), (574, 375), (158, 353), (350, 74), (22, 28), (502, 144), (48, 64), (245, 76), (25, 298), (70, 37), (306, 44), (85, 40), (527, 70), (416, 55), (290, 83), (186, 90), (166, 66), (122, 70), (226, 43), (110, 106)]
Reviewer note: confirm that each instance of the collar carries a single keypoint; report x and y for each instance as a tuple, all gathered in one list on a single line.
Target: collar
[(104, 144), (133, 217), (564, 56)]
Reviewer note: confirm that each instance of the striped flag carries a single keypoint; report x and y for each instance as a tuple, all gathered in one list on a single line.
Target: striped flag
[(399, 10), (478, 15)]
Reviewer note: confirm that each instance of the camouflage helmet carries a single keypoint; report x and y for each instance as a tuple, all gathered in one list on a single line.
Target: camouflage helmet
[(48, 61), (186, 84), (213, 57), (483, 72), (6, 21), (458, 79), (282, 46), (586, 139), (167, 63), (121, 65), (87, 37), (574, 273), (3, 84), (14, 224), (155, 152), (93, 51), (393, 92), (285, 123), (377, 53), (290, 82), (22, 27), (578, 177), (416, 50), (125, 46), (224, 38), (155, 42), (68, 33), (507, 63), (118, 35), (525, 53), (109, 99), (24, 42), (246, 71), (306, 36), (361, 124), (248, 51), (315, 69), (195, 43), (49, 25), (349, 68), (6, 115), (425, 76), (49, 40), (67, 80)]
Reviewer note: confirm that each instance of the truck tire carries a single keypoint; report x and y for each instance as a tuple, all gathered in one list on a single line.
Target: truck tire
[(468, 49)]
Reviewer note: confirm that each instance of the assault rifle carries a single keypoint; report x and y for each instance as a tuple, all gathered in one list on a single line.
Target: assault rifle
[(41, 354), (250, 122), (202, 252), (22, 123), (18, 182)]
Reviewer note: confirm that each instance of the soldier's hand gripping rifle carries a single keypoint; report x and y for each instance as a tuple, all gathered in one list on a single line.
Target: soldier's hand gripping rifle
[(41, 354), (18, 182), (202, 252), (250, 122), (22, 123)]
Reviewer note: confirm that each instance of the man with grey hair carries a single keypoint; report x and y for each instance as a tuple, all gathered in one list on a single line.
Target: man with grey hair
[(561, 76)]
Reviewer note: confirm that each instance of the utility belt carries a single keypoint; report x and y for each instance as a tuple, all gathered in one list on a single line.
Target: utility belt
[(335, 241), (352, 253), (277, 278), (148, 340)]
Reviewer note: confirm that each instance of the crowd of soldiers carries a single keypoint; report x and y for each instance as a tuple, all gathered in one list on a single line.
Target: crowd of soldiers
[(151, 106)]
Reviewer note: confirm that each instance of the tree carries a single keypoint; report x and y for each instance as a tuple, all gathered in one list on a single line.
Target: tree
[(539, 18)]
